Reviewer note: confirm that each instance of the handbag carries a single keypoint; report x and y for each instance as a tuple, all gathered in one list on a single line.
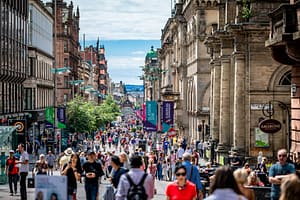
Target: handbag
[(109, 193)]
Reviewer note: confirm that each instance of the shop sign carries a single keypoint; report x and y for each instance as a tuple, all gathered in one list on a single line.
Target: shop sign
[(270, 126)]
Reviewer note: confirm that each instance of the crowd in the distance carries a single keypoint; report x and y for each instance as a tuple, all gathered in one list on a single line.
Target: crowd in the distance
[(133, 161)]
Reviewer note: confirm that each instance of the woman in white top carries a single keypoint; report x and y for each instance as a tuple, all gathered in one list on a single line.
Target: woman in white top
[(224, 186)]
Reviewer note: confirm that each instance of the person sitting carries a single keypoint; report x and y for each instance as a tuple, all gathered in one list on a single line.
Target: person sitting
[(240, 176), (261, 167), (235, 161), (247, 168), (253, 180)]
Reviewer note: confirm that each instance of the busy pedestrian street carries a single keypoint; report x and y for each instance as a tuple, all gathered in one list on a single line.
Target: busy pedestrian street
[(150, 99)]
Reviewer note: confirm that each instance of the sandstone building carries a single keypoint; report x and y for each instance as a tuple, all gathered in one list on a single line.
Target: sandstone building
[(185, 64), (217, 70), (245, 80), (284, 44), (66, 49)]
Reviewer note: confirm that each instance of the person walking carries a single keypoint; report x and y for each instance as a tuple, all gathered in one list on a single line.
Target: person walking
[(50, 158), (12, 172), (93, 171), (117, 171), (23, 169), (135, 178), (192, 173), (181, 188), (278, 171), (73, 172), (41, 166)]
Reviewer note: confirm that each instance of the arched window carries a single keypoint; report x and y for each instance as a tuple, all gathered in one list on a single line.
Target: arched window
[(286, 79)]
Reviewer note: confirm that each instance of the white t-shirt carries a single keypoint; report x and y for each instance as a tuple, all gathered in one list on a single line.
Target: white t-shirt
[(24, 167)]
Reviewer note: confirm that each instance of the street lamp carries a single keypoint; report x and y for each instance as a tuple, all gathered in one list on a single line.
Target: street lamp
[(75, 83), (56, 71)]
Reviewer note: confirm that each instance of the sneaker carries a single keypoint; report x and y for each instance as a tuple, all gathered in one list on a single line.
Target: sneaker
[(11, 194)]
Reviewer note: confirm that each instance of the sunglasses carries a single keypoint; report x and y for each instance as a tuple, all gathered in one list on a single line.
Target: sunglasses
[(282, 155), (181, 174)]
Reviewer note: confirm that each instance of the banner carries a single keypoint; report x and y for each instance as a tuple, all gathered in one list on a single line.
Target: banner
[(167, 114), (144, 112), (61, 115), (151, 116)]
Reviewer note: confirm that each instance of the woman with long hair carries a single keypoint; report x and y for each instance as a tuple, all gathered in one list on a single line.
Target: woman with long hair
[(240, 176), (181, 188), (224, 186), (72, 170), (290, 188)]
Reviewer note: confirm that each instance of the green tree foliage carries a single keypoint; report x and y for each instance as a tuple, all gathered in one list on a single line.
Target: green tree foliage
[(83, 116)]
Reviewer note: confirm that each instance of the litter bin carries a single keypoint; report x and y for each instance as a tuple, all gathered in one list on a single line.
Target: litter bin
[(3, 177)]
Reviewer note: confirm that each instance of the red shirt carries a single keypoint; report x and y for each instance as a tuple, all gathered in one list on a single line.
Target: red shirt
[(11, 161), (187, 193)]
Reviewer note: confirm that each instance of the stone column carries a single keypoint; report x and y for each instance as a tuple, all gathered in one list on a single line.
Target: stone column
[(216, 101), (226, 50), (216, 82), (224, 134), (239, 102)]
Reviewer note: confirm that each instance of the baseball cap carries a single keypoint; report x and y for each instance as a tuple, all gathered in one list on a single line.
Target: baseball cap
[(90, 152), (11, 151)]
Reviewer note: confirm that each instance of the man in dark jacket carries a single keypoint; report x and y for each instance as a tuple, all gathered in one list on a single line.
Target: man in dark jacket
[(93, 171)]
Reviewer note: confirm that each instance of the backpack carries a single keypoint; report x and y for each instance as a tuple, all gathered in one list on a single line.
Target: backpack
[(136, 192)]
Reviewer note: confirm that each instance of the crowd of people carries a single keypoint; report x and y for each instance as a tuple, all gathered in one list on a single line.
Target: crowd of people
[(133, 161)]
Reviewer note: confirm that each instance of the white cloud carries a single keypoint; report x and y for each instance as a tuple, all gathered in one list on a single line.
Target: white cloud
[(123, 19), (138, 52)]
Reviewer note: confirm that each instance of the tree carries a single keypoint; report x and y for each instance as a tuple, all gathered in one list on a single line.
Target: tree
[(83, 116)]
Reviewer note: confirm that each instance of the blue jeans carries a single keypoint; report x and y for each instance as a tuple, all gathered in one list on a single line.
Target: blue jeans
[(91, 190)]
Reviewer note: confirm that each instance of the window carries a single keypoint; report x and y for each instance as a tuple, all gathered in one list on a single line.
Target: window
[(28, 98), (286, 79), (66, 81), (65, 99), (66, 62), (66, 46)]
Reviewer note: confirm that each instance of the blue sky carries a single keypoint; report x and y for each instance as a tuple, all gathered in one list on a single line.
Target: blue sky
[(125, 57), (127, 28)]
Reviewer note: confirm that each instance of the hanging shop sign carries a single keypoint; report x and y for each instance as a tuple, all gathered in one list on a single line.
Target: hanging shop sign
[(270, 126)]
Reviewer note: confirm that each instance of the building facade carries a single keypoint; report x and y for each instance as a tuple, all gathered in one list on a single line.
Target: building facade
[(67, 53), (13, 58), (284, 44), (247, 85), (185, 63), (39, 86), (151, 76), (102, 76)]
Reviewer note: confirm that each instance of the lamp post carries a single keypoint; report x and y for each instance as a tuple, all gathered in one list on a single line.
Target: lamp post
[(75, 83), (56, 71)]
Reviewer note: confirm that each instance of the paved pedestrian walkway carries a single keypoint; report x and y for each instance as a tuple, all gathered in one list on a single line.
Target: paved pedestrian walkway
[(4, 191)]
